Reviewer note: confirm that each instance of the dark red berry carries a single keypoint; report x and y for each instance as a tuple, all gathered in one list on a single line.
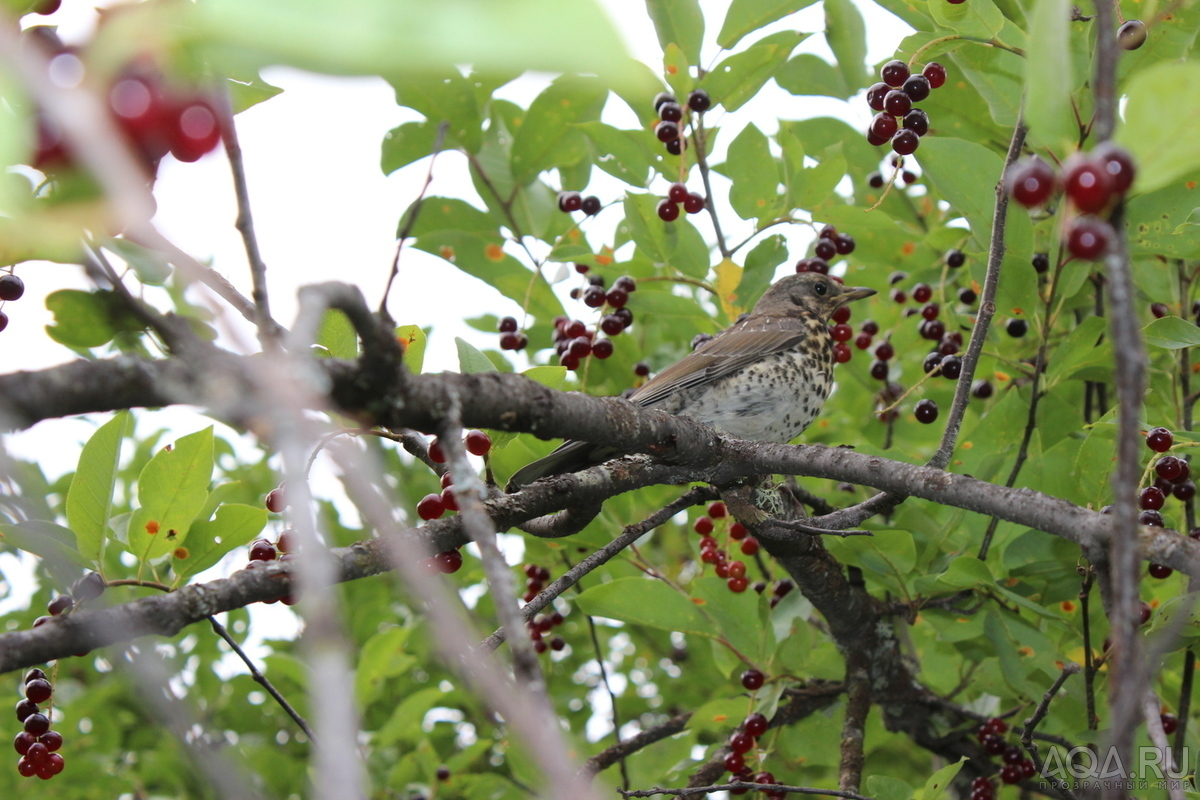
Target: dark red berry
[(1152, 518), (1184, 491), (1169, 722), (955, 258), (11, 287), (676, 146), (508, 325), (478, 443), (602, 348), (698, 100), (739, 531), (193, 130), (591, 205), (431, 507), (755, 725), (25, 707), (663, 97), (693, 203), (276, 502), (897, 103), (879, 370), (1031, 181), (752, 679), (876, 94), (906, 141), (513, 341), (844, 243), (967, 296), (670, 112), (894, 72), (932, 361), (930, 310), (677, 192), (842, 314), (1172, 468), (883, 126), (1151, 498), (951, 367), (1132, 34), (1087, 183), (60, 604), (1041, 263), (1144, 612), (449, 561), (994, 744), (926, 411), (741, 743), (595, 296), (703, 525), (734, 762), (666, 131), (936, 74), (737, 583), (1159, 571), (1159, 310), (916, 87), (841, 332), (37, 724), (641, 369), (922, 292), (1012, 755), (1117, 162), (436, 454), (89, 587), (617, 298), (932, 329), (981, 389), (916, 121), (885, 351), (1016, 327), (1159, 440), (667, 211), (1011, 773), (569, 201)]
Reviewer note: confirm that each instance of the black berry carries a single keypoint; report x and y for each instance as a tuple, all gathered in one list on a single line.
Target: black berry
[(698, 100), (926, 411), (1132, 34), (11, 287)]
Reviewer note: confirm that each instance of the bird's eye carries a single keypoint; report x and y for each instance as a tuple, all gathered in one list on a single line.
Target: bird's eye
[(820, 288)]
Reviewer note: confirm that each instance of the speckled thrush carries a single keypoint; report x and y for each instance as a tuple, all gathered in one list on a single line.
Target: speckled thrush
[(764, 378)]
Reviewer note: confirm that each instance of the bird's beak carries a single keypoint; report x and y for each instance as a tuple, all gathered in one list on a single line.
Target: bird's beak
[(856, 293)]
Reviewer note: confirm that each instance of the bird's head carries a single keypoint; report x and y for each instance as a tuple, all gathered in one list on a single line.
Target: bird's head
[(808, 293)]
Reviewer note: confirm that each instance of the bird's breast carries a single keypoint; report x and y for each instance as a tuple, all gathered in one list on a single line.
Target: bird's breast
[(772, 400)]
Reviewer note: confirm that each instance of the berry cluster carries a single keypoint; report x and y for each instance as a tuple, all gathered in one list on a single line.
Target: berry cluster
[(829, 245), (1016, 766), (574, 201), (156, 117), (435, 504), (898, 121), (446, 562), (712, 552), (536, 577), (670, 126), (511, 336), (1093, 183), (37, 743), (11, 288), (677, 196), (1172, 478), (89, 587), (876, 180), (573, 341), (542, 624), (744, 740)]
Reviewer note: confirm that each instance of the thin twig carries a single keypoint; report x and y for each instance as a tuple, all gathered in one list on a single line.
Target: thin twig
[(602, 556), (268, 332), (410, 216), (262, 679), (701, 145), (1039, 714), (1185, 703)]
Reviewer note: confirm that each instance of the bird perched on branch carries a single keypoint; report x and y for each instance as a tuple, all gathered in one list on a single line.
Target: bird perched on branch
[(764, 378)]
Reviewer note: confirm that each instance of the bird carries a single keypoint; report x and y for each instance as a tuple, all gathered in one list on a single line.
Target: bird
[(764, 378)]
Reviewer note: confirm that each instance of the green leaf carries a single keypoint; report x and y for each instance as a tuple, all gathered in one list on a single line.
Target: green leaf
[(736, 616), (86, 319), (1159, 129), (997, 75), (409, 37), (1171, 333), (1081, 349), (745, 16), (546, 138), (443, 95), (935, 788), (172, 489), (847, 38), (405, 144), (412, 337), (739, 77), (813, 186), (1048, 74), (977, 18), (755, 193), (1163, 222), (470, 359), (150, 266), (964, 572), (89, 500), (808, 74), (471, 240), (248, 92), (235, 525), (760, 268), (338, 336), (882, 787), (622, 154), (678, 22), (551, 377), (52, 543), (641, 601), (382, 657)]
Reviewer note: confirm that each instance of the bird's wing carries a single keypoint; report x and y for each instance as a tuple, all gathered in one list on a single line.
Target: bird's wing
[(725, 354)]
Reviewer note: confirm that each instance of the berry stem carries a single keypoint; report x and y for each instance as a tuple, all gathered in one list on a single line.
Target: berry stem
[(410, 217), (700, 142), (915, 59)]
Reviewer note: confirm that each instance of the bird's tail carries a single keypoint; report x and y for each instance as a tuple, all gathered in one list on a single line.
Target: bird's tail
[(567, 458)]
